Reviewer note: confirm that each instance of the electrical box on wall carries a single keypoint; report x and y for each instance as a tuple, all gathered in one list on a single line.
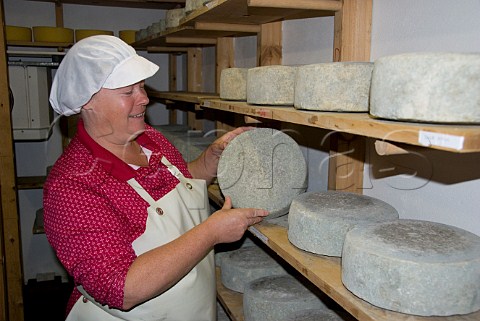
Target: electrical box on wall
[(31, 112)]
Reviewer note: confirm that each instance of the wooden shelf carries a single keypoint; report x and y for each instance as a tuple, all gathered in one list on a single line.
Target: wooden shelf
[(30, 182), (187, 97), (39, 44), (325, 273), (454, 138), (231, 301), (235, 18), (146, 4), (257, 12)]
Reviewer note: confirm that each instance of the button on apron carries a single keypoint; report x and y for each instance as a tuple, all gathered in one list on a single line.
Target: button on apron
[(189, 186), (159, 211)]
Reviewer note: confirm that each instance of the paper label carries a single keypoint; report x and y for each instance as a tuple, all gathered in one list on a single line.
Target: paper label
[(211, 4), (206, 103), (441, 140), (258, 234)]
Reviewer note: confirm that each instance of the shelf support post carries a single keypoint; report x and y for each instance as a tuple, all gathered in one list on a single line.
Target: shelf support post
[(194, 82), (352, 38), (269, 44), (10, 243)]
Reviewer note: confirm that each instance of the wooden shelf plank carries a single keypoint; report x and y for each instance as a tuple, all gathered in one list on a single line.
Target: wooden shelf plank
[(188, 97), (215, 194), (325, 273), (39, 44), (238, 11), (30, 182), (146, 4), (189, 32), (464, 138), (231, 301), (207, 21)]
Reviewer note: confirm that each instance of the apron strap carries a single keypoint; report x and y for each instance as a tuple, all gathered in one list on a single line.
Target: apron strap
[(172, 169), (141, 191)]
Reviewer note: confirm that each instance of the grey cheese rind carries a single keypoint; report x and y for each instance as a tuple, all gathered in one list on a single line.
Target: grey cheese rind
[(248, 264), (271, 85), (192, 5), (173, 17), (427, 87), (336, 86), (273, 297), (319, 221), (262, 168), (414, 267), (233, 84), (312, 315)]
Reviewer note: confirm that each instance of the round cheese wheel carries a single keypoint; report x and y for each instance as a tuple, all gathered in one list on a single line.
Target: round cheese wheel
[(262, 168), (85, 33), (312, 315), (52, 34), (192, 5), (427, 87), (127, 35), (233, 84), (271, 298), (414, 267), (336, 86), (247, 264), (271, 85), (173, 17), (16, 33), (319, 221), (224, 249)]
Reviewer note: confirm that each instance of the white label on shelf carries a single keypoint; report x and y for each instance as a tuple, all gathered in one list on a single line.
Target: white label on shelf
[(441, 140), (258, 234), (211, 4), (206, 103)]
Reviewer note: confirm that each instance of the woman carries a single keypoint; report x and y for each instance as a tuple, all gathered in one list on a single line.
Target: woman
[(126, 216)]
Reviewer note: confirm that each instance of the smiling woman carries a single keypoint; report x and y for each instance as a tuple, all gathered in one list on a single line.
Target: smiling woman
[(126, 215)]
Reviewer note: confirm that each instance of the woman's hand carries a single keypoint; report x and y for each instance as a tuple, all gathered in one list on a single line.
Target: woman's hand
[(205, 166), (229, 225)]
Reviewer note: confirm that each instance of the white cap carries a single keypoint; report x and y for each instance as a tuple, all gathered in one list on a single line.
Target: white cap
[(93, 63)]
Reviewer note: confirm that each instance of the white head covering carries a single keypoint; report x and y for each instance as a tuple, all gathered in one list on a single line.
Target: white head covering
[(93, 63)]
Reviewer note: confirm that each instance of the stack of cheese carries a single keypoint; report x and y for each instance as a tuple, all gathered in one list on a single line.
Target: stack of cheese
[(272, 298), (247, 264), (420, 87)]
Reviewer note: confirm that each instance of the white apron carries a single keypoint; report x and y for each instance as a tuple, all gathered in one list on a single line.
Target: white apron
[(193, 298)]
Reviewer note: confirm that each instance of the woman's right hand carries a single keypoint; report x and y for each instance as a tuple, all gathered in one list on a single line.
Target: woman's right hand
[(229, 225)]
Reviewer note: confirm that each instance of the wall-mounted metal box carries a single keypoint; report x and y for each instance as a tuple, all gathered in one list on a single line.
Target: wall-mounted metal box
[(31, 113)]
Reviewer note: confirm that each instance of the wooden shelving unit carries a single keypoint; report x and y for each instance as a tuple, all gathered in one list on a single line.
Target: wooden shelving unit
[(235, 18), (30, 182), (323, 271), (453, 138)]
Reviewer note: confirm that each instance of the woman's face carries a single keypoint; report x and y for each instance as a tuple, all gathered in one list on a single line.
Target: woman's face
[(116, 115)]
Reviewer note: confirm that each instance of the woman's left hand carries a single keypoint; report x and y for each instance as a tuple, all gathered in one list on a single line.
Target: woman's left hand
[(205, 166)]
